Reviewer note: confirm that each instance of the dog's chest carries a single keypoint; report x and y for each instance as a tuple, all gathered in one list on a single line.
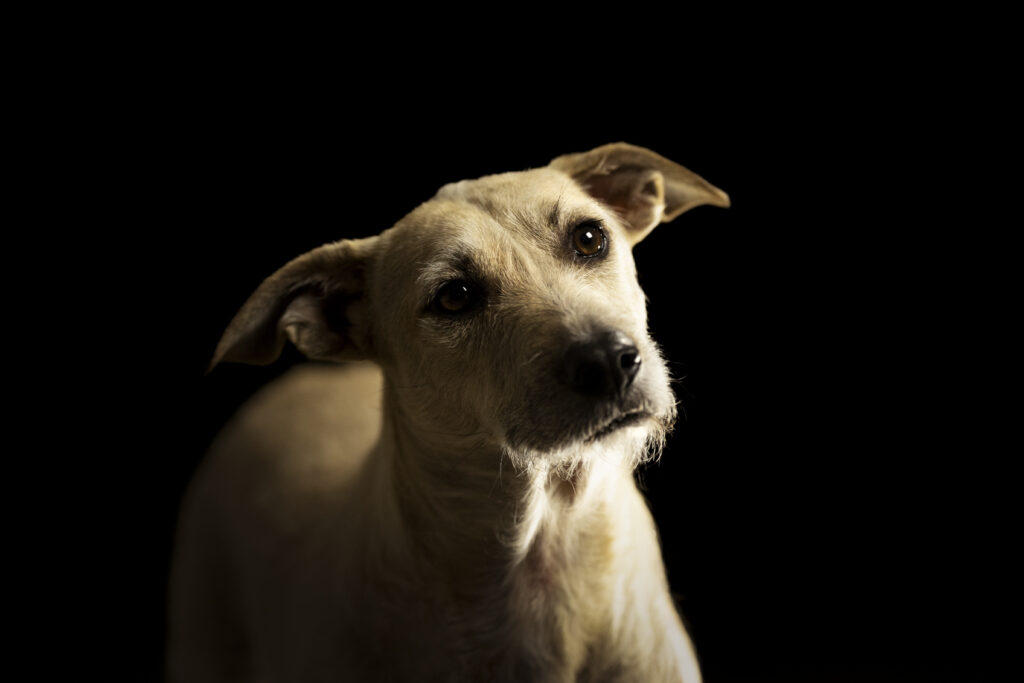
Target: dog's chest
[(556, 564), (560, 598)]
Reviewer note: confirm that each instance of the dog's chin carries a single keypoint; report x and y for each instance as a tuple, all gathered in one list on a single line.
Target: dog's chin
[(630, 419), (632, 436)]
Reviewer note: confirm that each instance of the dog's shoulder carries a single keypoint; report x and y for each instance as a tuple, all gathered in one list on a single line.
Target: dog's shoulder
[(326, 395), (299, 439)]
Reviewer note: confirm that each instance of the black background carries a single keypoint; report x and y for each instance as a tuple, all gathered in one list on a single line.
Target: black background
[(826, 510)]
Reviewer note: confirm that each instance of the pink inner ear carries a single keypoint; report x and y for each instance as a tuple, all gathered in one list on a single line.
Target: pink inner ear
[(637, 194), (315, 323)]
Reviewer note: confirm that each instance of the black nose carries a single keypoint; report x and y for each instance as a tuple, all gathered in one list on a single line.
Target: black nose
[(603, 366)]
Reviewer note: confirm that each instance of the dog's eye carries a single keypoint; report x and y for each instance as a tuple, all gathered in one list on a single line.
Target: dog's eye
[(588, 239), (455, 297)]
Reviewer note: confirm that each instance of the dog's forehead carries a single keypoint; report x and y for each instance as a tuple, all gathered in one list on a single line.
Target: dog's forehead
[(525, 208), (499, 228), (512, 190)]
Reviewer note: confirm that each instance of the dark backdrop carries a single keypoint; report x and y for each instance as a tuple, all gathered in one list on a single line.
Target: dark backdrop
[(818, 509)]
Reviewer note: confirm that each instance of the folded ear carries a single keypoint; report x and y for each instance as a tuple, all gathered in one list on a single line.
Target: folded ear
[(316, 301), (645, 188)]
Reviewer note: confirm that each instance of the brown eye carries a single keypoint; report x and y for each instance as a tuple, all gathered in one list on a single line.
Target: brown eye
[(588, 239), (455, 297)]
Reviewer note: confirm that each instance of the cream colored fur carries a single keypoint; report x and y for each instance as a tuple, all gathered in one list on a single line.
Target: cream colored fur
[(439, 506)]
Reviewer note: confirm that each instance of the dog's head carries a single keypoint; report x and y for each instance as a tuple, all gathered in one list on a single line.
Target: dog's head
[(505, 309)]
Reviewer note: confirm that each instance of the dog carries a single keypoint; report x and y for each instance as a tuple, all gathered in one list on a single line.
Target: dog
[(452, 497)]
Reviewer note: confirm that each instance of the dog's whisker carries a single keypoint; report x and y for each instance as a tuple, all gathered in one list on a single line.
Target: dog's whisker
[(529, 361), (454, 434)]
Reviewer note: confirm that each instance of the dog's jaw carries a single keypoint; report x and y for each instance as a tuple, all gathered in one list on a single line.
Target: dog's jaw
[(625, 420)]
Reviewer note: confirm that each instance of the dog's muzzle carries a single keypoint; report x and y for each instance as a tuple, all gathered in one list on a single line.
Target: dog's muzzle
[(604, 383)]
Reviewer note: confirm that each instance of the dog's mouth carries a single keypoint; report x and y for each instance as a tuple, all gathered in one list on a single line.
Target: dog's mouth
[(619, 422)]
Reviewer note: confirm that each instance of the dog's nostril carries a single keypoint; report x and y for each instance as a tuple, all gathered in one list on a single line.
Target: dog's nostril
[(605, 366), (629, 364)]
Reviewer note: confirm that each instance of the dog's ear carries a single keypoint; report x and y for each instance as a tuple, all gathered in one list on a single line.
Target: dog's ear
[(316, 301), (645, 188)]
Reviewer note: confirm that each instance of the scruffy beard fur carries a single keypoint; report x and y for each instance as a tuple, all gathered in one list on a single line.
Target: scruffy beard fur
[(629, 446)]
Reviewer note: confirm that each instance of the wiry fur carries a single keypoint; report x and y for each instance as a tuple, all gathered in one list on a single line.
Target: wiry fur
[(454, 511)]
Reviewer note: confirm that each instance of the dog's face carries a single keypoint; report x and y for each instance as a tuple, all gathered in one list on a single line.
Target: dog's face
[(505, 310)]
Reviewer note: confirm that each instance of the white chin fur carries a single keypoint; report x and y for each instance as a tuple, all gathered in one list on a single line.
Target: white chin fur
[(627, 446)]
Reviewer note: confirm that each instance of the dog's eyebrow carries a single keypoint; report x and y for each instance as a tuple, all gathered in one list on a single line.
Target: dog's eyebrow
[(555, 216), (454, 263), (570, 214)]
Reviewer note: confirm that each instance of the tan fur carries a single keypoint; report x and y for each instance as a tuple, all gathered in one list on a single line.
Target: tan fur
[(450, 511)]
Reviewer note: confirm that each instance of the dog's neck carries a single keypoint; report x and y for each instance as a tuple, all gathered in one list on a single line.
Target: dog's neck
[(521, 559), (464, 506)]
